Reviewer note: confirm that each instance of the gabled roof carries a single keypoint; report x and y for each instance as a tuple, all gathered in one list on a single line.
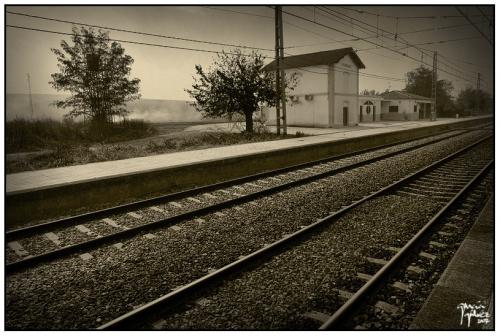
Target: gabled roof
[(317, 58), (400, 95)]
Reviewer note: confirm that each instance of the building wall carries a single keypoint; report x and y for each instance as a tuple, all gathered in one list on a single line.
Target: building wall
[(405, 110), (344, 85), (364, 116), (312, 81)]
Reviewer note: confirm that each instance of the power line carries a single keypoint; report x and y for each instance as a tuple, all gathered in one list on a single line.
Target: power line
[(406, 17), (404, 47), (163, 46), (128, 41), (135, 32), (474, 25), (361, 38)]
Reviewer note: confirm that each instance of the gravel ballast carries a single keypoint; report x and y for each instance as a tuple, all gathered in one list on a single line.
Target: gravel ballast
[(73, 293)]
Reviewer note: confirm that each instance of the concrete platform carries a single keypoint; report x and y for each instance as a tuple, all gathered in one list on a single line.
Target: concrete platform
[(468, 279), (50, 192)]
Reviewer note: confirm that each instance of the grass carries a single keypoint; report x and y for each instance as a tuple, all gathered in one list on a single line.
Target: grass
[(23, 135), (67, 145)]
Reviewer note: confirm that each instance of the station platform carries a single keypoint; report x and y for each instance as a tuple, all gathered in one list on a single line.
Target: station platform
[(46, 192), (468, 280)]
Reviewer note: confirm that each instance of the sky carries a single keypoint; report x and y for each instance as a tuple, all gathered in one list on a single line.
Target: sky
[(165, 73)]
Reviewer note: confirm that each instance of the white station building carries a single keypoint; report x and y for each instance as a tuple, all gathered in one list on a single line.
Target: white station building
[(327, 91), (327, 94)]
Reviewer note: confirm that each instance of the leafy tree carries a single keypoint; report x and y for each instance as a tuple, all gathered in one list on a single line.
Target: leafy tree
[(96, 72), (420, 82), (236, 84), (367, 92), (470, 100)]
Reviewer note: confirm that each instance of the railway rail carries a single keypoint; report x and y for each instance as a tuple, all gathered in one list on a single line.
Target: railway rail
[(42, 239), (447, 182)]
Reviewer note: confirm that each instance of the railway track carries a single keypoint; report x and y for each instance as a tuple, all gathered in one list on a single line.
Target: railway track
[(444, 183), (31, 245)]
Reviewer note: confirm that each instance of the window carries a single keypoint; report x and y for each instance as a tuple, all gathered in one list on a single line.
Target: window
[(414, 108), (393, 108)]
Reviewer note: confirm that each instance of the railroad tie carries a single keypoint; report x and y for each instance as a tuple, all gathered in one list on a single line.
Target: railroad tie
[(86, 230), (317, 316), (157, 209), (199, 220), (387, 307), (427, 255), (175, 227), (445, 234), (53, 238), (209, 195), (401, 286), (86, 256), (437, 244), (175, 204), (363, 276), (160, 324), (392, 249), (219, 214), (203, 302), (194, 200), (114, 224), (149, 236), (237, 195), (252, 185), (224, 191), (453, 226), (344, 294), (376, 261), (18, 249), (118, 246), (134, 215)]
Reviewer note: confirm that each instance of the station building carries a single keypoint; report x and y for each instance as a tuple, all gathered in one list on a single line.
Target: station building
[(401, 105), (394, 105), (327, 91), (327, 94)]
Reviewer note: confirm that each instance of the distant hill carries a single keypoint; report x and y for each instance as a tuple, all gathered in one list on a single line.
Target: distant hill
[(153, 110)]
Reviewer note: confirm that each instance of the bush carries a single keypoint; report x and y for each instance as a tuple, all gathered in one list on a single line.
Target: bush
[(23, 135)]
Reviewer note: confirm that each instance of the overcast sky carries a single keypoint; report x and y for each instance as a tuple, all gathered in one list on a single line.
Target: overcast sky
[(165, 73)]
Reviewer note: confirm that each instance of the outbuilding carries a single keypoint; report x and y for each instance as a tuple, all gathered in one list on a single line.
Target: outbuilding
[(401, 105), (327, 91)]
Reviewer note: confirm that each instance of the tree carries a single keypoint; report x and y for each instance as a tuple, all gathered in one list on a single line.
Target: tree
[(236, 84), (419, 81), (470, 100), (95, 71), (367, 92)]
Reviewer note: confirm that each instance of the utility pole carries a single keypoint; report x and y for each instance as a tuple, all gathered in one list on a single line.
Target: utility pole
[(434, 87), (282, 71), (31, 98), (278, 74), (478, 93)]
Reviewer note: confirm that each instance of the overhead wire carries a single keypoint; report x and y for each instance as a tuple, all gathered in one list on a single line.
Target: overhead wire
[(408, 44), (365, 39), (135, 32)]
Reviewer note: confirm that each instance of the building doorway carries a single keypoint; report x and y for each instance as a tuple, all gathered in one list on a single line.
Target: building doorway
[(374, 109), (346, 115)]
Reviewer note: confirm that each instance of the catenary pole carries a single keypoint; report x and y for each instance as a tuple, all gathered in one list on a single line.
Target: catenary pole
[(277, 10), (434, 88), (282, 70)]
